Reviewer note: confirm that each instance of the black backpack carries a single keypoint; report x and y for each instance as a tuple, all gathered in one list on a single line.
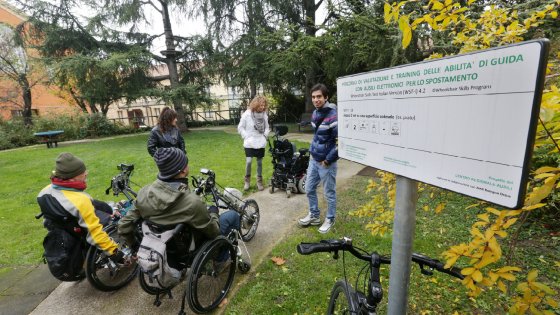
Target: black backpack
[(64, 243), (64, 254)]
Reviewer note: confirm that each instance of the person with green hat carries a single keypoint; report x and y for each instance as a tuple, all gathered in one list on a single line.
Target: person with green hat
[(65, 196)]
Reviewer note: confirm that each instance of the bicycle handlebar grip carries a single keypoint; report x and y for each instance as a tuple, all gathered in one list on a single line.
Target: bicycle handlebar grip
[(310, 248), (455, 272)]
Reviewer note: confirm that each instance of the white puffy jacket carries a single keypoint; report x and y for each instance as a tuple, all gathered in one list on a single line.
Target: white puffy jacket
[(251, 137)]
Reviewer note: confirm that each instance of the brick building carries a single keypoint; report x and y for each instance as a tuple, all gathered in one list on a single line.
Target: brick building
[(45, 99)]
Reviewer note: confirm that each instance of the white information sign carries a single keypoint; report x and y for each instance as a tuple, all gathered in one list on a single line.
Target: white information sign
[(464, 123)]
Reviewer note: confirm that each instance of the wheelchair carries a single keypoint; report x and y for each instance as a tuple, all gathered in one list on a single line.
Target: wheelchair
[(212, 265), (289, 164)]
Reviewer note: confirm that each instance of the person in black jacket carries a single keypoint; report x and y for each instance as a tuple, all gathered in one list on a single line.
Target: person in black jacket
[(166, 134)]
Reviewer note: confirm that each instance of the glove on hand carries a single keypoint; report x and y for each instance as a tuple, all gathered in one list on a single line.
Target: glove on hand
[(118, 257), (213, 209)]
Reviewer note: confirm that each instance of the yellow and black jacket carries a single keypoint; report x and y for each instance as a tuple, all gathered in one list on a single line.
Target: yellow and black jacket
[(79, 205)]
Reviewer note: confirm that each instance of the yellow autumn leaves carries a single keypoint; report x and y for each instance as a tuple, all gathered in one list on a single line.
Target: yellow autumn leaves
[(496, 26)]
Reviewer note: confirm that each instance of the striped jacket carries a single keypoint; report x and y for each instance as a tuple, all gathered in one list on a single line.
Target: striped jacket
[(324, 144), (79, 204)]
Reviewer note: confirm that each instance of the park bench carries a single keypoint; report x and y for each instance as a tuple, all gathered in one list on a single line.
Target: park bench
[(304, 121), (49, 137)]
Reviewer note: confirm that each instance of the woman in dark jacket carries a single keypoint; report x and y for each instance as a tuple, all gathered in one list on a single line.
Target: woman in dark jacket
[(166, 134)]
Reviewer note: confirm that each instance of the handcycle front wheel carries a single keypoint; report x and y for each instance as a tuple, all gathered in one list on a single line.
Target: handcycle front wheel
[(104, 274), (250, 217), (211, 276), (343, 299)]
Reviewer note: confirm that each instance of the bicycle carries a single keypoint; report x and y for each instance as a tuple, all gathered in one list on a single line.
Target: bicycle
[(346, 300), (228, 198), (103, 273)]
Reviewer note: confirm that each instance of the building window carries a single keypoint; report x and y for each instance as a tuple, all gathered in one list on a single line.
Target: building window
[(208, 114)]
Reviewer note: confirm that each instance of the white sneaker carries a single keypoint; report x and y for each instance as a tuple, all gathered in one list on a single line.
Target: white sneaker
[(309, 220), (326, 226)]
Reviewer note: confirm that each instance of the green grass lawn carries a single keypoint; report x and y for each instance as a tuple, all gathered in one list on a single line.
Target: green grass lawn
[(25, 171), (303, 284)]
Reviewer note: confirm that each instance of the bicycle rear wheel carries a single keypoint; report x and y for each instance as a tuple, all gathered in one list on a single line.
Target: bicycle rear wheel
[(343, 299), (104, 274), (211, 275), (250, 217)]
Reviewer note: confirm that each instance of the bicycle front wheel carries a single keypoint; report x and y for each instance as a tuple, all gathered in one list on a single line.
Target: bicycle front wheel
[(104, 274), (343, 299), (250, 217), (211, 275)]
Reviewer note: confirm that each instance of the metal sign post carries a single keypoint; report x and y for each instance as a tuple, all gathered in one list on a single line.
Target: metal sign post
[(401, 251)]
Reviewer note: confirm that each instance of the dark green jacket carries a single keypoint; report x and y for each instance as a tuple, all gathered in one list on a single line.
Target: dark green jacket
[(170, 203)]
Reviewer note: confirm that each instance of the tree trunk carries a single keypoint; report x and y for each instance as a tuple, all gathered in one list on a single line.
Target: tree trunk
[(79, 101), (170, 54), (27, 100), (310, 30)]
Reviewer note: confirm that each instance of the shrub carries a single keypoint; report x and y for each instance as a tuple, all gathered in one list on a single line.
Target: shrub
[(13, 133)]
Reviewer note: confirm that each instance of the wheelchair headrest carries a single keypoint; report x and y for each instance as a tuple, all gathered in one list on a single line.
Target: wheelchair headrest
[(281, 130)]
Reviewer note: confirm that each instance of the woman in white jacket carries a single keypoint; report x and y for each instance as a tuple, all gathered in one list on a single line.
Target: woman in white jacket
[(253, 128)]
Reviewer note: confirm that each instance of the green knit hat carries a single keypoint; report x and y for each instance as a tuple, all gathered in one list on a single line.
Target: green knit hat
[(68, 166)]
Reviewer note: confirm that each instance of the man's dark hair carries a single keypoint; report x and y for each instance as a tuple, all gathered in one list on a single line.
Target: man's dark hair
[(320, 87)]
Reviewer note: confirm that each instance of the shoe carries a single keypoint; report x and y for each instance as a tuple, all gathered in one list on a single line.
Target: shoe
[(326, 226), (247, 183), (260, 186), (309, 220)]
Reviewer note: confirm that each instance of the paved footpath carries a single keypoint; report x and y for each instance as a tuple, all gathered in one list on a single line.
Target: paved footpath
[(279, 216)]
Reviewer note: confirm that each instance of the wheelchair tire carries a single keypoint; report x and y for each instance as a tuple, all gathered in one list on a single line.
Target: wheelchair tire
[(211, 275), (104, 274), (250, 217), (301, 184)]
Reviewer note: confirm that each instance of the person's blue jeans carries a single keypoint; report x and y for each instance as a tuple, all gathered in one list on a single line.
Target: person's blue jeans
[(229, 220), (315, 174)]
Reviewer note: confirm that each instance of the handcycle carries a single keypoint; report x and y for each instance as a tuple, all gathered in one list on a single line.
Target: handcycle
[(101, 271), (346, 300), (228, 198)]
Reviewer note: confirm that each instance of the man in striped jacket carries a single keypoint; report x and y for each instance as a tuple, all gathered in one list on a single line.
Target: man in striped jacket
[(323, 162)]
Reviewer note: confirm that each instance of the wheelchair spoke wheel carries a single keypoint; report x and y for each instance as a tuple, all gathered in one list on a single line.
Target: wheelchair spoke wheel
[(250, 217), (301, 184), (104, 274), (342, 299), (211, 275)]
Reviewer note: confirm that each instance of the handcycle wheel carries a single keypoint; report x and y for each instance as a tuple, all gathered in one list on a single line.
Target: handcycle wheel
[(211, 275), (104, 274), (250, 217), (343, 299)]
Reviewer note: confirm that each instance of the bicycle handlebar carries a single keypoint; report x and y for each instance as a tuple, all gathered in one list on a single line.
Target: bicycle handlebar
[(345, 244)]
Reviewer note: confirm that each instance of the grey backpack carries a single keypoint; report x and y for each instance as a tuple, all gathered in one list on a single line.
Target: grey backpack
[(152, 258)]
